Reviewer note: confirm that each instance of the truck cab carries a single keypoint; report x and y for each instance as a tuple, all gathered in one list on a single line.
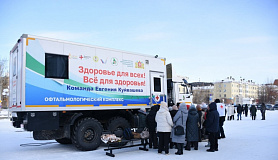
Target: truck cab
[(178, 89)]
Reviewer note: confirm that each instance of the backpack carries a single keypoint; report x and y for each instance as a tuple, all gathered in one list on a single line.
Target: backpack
[(127, 134)]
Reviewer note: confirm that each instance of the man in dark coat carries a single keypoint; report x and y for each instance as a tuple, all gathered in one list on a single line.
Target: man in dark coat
[(151, 124), (263, 109), (239, 111), (253, 111), (212, 126), (246, 110), (192, 130), (221, 108)]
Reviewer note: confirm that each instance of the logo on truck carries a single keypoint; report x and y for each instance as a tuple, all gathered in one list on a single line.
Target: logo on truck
[(139, 64), (95, 58), (114, 61), (103, 61), (156, 98), (81, 57), (85, 57), (72, 56)]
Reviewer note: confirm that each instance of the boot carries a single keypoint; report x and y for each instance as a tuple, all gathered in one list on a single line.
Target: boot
[(188, 146), (180, 147), (196, 146)]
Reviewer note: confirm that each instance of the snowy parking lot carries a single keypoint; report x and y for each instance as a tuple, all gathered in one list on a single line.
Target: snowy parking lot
[(245, 139)]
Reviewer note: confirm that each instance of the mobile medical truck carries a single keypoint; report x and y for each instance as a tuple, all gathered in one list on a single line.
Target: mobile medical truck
[(71, 92)]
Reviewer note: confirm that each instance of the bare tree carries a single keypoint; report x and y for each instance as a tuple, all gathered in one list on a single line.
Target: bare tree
[(268, 93), (3, 67), (200, 96), (4, 81)]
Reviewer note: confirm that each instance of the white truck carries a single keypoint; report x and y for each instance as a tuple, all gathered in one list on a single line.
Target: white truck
[(71, 92), (247, 101)]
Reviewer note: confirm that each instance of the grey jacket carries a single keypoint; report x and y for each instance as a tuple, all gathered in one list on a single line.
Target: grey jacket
[(180, 119)]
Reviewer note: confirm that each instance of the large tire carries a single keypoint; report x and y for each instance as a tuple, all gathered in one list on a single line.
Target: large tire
[(86, 134), (117, 125), (64, 141)]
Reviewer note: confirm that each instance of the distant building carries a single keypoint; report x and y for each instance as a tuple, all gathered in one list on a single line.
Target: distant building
[(236, 92), (276, 84)]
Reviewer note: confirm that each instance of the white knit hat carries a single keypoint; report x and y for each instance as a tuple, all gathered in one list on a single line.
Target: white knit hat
[(163, 104)]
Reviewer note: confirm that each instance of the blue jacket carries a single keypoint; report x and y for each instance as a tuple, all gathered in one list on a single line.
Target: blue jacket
[(212, 121)]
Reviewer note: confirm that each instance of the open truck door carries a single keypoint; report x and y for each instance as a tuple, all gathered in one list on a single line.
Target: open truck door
[(15, 81), (157, 88)]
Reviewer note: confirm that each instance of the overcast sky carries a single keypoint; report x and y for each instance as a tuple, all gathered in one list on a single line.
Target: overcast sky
[(205, 40)]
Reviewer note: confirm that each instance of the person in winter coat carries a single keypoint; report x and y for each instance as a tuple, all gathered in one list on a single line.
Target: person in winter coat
[(174, 110), (200, 121), (229, 111), (180, 119), (142, 114), (206, 134), (239, 111), (246, 110), (253, 111), (263, 109), (151, 124), (173, 113), (164, 127), (212, 126), (157, 107), (222, 114), (233, 114), (192, 130)]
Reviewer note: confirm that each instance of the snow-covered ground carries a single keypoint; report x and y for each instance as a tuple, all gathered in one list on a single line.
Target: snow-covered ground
[(246, 139), (4, 113)]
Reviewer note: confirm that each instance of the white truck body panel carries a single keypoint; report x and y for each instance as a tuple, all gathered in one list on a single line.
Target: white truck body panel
[(98, 78)]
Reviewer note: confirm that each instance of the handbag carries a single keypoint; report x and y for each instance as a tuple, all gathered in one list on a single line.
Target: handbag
[(179, 130), (136, 135), (145, 133)]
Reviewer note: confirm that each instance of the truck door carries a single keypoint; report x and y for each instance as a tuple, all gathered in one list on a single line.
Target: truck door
[(14, 74), (157, 88)]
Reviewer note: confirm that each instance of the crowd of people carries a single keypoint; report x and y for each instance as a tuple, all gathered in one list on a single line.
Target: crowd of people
[(244, 109), (182, 127)]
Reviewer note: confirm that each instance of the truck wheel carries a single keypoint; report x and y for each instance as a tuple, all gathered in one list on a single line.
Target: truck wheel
[(117, 125), (86, 134), (64, 141)]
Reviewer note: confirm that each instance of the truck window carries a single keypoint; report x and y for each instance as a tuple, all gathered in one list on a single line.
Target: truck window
[(14, 66), (157, 84), (182, 89), (14, 62), (56, 66)]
